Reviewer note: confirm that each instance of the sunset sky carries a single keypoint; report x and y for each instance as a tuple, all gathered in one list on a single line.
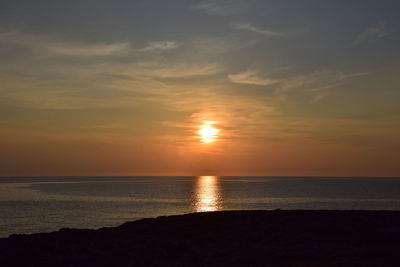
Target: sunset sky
[(184, 87)]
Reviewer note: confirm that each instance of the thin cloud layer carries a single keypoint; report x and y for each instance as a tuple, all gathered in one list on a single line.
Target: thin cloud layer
[(251, 77), (249, 27), (159, 45), (374, 32), (221, 8), (56, 44)]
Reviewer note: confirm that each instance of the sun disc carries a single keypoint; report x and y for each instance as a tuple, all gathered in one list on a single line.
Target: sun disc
[(208, 133)]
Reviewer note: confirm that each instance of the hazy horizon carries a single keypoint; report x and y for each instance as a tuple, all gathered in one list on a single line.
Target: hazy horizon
[(225, 88), (188, 175)]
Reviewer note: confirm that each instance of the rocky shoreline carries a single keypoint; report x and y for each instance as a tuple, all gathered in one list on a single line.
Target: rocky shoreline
[(226, 238)]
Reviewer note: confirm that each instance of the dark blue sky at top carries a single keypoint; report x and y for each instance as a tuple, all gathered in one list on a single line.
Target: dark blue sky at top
[(105, 19), (322, 30)]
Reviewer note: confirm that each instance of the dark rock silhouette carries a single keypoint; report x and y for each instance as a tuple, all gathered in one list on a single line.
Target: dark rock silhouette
[(229, 238)]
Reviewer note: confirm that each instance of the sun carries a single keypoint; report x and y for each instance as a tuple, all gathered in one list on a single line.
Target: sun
[(208, 133)]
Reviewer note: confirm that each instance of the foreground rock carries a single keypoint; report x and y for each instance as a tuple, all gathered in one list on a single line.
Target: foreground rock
[(230, 238)]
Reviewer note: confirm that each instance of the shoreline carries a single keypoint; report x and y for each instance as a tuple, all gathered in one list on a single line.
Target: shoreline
[(223, 238)]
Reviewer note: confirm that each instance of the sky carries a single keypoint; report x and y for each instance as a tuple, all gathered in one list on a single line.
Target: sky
[(184, 87)]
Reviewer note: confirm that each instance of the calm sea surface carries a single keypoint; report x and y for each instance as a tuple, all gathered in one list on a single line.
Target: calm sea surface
[(33, 204)]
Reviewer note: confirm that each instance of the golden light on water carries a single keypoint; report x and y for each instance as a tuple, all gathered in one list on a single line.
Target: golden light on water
[(207, 194), (207, 132)]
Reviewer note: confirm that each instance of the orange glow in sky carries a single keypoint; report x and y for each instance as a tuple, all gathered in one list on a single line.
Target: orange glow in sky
[(240, 94)]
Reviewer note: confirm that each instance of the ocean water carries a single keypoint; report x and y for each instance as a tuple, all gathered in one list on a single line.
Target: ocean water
[(42, 204)]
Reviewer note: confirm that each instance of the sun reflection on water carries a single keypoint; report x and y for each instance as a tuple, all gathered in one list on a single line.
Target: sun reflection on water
[(207, 195)]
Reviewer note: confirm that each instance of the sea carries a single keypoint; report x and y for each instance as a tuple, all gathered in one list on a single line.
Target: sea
[(43, 204)]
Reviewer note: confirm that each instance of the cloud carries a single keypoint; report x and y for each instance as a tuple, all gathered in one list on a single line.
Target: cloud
[(99, 74), (159, 45), (56, 72), (205, 46), (251, 77), (79, 49), (251, 28), (375, 32), (221, 8), (317, 84), (320, 96), (111, 84), (156, 70), (186, 70), (57, 45)]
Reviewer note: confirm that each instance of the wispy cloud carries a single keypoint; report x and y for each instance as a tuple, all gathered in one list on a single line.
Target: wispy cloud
[(112, 84), (60, 73), (54, 44), (221, 7), (177, 70), (317, 84), (57, 45), (374, 32), (79, 49), (251, 77), (249, 27), (159, 45)]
